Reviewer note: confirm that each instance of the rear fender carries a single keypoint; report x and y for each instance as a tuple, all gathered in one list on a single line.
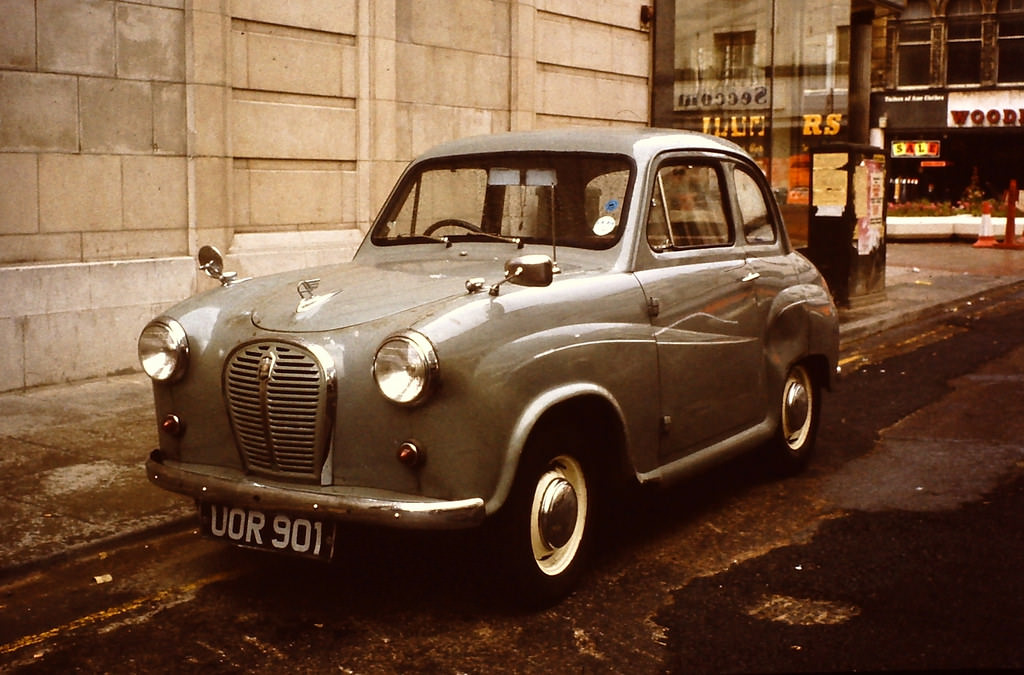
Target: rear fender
[(802, 323)]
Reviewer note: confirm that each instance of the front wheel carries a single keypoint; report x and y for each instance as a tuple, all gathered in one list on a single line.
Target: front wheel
[(545, 529), (558, 515), (800, 409)]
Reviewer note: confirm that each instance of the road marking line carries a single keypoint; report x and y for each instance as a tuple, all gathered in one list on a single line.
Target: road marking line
[(896, 348), (112, 612)]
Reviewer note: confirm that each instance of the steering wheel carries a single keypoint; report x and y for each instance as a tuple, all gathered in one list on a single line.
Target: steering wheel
[(451, 222)]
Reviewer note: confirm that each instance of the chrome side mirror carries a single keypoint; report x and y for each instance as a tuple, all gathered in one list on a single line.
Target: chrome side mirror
[(526, 270), (211, 262)]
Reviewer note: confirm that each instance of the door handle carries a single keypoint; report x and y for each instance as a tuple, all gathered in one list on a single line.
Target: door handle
[(751, 276)]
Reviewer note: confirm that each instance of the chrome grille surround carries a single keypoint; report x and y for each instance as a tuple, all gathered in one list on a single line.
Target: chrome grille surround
[(280, 398)]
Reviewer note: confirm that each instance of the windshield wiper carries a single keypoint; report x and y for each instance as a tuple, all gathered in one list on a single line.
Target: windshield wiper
[(421, 239), (492, 236)]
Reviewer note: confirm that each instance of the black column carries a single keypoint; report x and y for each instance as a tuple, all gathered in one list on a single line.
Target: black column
[(860, 75)]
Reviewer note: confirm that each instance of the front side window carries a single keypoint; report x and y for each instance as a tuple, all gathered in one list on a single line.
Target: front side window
[(575, 200), (687, 208)]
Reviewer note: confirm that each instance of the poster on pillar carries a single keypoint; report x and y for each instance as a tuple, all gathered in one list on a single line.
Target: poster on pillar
[(869, 191)]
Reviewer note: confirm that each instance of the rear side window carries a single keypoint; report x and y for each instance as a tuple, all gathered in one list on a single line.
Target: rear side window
[(687, 209), (754, 213)]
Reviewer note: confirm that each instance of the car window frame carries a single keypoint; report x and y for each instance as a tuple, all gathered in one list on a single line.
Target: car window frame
[(773, 216), (649, 256), (412, 176)]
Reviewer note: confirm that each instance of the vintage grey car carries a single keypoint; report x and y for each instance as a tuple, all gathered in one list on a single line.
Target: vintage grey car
[(533, 320)]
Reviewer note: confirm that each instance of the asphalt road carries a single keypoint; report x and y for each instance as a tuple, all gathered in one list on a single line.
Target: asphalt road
[(899, 549), (919, 566)]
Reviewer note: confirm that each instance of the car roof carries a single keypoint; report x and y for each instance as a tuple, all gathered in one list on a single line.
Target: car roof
[(640, 142)]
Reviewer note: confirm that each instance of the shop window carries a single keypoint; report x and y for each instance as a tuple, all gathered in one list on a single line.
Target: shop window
[(963, 42), (1011, 41), (734, 55)]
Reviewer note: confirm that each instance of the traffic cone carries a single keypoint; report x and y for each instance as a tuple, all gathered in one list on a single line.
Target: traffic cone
[(986, 239), (1011, 229)]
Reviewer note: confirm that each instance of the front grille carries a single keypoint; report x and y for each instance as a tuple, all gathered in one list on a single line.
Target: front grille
[(279, 401)]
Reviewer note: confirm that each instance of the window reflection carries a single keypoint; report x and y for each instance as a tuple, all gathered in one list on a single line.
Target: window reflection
[(772, 77)]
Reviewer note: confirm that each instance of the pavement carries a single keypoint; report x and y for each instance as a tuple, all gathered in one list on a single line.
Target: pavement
[(72, 476)]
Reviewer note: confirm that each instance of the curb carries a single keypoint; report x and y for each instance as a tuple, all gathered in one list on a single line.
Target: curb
[(119, 540), (857, 329)]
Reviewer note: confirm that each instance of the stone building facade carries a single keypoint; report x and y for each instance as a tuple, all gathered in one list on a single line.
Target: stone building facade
[(949, 94), (132, 132)]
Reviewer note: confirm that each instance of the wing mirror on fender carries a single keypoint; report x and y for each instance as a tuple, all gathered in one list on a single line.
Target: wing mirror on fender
[(525, 270), (211, 262), (530, 270)]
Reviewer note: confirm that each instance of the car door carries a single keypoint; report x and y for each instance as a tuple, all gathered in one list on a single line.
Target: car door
[(757, 218), (702, 306)]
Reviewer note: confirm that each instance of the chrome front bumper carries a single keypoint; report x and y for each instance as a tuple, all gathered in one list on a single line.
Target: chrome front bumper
[(224, 486)]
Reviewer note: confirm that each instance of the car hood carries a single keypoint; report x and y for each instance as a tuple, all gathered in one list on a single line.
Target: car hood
[(351, 294)]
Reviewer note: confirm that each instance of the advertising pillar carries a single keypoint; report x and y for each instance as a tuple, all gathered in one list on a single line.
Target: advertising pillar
[(846, 221)]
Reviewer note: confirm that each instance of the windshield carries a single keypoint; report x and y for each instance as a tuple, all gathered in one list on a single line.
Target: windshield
[(566, 199)]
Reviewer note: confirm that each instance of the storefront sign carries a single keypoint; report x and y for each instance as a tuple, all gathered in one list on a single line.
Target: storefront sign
[(735, 126), (915, 149), (742, 126), (724, 98), (925, 110), (1007, 117), (818, 125), (986, 109)]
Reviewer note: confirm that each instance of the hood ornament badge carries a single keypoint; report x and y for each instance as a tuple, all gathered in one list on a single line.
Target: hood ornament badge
[(306, 288), (309, 299)]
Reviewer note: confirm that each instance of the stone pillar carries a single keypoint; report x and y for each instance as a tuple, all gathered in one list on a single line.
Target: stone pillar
[(522, 106)]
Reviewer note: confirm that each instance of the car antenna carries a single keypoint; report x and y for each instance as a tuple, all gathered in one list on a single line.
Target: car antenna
[(547, 178)]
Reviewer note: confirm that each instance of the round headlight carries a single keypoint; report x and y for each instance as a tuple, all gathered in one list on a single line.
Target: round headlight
[(163, 349), (405, 368)]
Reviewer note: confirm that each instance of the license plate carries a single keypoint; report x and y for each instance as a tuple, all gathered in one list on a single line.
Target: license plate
[(268, 530)]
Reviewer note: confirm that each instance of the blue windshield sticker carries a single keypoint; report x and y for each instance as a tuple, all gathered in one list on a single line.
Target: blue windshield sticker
[(612, 205)]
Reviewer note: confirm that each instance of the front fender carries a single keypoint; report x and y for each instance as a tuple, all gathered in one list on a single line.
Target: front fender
[(527, 421), (508, 360)]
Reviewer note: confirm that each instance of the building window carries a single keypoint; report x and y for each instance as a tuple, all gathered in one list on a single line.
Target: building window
[(963, 42), (914, 49), (734, 55), (842, 54), (1010, 66)]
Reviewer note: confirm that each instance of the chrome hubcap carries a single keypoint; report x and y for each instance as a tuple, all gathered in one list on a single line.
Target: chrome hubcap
[(557, 516), (796, 408)]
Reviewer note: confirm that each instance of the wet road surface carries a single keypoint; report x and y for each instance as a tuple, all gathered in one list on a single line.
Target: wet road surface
[(898, 549)]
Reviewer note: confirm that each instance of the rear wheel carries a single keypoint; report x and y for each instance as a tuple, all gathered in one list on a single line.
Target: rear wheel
[(800, 408), (545, 530)]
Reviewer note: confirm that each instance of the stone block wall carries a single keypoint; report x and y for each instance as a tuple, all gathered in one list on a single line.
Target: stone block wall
[(133, 131)]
